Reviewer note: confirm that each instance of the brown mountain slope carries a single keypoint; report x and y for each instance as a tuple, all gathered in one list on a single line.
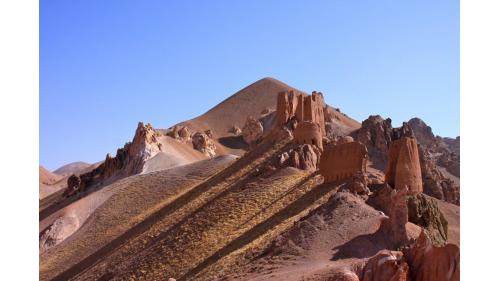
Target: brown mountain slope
[(251, 100), (46, 177), (258, 100), (47, 182), (220, 215)]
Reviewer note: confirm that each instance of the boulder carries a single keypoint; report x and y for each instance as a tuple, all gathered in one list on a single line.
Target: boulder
[(304, 157), (430, 263), (386, 266), (252, 131), (203, 143), (235, 130), (184, 134)]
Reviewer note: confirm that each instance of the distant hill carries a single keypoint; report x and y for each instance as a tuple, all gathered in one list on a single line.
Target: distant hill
[(71, 168)]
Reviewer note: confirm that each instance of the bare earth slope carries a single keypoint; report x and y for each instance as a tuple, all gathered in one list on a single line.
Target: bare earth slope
[(47, 182), (120, 212)]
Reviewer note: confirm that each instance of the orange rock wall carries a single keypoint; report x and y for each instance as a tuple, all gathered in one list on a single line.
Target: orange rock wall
[(308, 132), (302, 107), (343, 161), (404, 166)]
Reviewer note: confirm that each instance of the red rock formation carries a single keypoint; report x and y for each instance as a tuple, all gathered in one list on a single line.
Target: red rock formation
[(435, 183), (430, 263), (386, 266), (395, 225), (203, 143), (302, 107), (304, 157), (128, 161), (252, 131), (308, 132), (376, 134), (404, 166), (343, 161)]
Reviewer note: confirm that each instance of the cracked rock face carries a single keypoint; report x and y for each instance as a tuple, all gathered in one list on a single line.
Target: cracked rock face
[(435, 184)]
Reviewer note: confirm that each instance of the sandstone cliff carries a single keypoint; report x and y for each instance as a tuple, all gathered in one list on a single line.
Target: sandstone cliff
[(404, 166)]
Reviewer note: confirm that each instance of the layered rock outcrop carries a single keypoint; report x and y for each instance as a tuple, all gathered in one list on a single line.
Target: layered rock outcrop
[(252, 131), (204, 143), (342, 161), (308, 132), (301, 107), (435, 183), (444, 151), (376, 134), (129, 160), (404, 166), (430, 263)]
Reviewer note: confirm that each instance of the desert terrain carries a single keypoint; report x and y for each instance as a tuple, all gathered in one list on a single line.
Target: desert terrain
[(270, 184)]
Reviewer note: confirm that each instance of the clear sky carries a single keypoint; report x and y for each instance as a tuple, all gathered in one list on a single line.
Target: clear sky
[(105, 65)]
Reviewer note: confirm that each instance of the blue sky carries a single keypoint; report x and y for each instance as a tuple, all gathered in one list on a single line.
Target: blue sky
[(105, 65)]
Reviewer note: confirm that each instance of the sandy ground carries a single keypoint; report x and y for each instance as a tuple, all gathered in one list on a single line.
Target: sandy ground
[(113, 210), (452, 214)]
